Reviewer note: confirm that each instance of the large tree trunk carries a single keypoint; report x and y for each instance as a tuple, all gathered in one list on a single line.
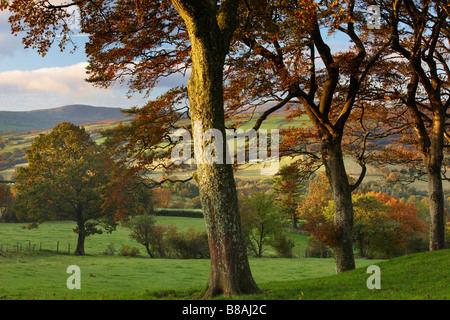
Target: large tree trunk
[(230, 271), (342, 195), (433, 164), (210, 38)]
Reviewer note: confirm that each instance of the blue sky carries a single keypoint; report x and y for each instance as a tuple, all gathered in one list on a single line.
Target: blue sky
[(30, 82)]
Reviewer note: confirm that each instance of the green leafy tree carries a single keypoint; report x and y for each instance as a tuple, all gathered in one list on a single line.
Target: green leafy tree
[(261, 221), (372, 224), (146, 232), (288, 185), (67, 178)]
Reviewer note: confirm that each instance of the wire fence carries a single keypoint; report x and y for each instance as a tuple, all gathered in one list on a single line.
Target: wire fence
[(29, 246)]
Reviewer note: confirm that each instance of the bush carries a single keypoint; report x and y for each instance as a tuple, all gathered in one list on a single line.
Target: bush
[(166, 241), (180, 213), (189, 244), (316, 249), (283, 245), (129, 251), (110, 250), (178, 204), (196, 203), (416, 243)]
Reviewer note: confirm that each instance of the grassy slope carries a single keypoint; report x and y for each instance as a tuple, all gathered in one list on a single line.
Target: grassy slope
[(24, 139), (414, 277)]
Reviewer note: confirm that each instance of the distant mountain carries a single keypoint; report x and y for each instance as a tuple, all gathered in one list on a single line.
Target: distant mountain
[(48, 118)]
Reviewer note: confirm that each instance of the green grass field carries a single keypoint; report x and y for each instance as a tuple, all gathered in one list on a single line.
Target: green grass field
[(42, 274), (47, 236)]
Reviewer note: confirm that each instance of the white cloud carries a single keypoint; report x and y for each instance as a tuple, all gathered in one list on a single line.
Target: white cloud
[(62, 80), (54, 87)]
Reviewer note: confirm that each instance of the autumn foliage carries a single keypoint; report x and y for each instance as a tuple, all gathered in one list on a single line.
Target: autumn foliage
[(311, 212), (383, 224)]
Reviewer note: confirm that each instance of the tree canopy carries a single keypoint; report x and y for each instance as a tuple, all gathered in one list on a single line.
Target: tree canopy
[(71, 177)]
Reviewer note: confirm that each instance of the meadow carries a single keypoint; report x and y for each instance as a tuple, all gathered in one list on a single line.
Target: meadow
[(49, 234), (42, 274)]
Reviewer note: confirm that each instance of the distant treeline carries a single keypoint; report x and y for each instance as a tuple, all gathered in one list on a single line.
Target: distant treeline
[(397, 190)]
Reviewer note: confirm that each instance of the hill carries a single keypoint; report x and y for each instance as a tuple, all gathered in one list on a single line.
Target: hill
[(47, 118)]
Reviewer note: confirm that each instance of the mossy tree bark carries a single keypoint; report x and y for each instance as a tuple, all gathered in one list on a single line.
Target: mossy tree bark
[(210, 28)]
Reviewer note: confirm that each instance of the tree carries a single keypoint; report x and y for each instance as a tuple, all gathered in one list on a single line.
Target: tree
[(128, 193), (146, 232), (311, 212), (288, 186), (373, 229), (210, 27), (261, 221), (401, 221), (163, 197), (419, 32), (67, 178), (282, 57), (140, 42)]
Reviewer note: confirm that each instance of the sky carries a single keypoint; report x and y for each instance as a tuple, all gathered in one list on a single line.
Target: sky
[(29, 81)]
